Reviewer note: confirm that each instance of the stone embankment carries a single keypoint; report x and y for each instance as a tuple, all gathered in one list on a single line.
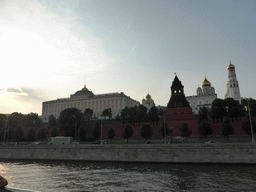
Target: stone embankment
[(174, 153)]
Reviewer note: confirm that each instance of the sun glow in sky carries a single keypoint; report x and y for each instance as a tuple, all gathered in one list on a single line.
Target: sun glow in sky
[(135, 47)]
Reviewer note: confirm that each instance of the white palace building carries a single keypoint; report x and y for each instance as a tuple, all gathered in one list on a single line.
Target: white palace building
[(83, 99)]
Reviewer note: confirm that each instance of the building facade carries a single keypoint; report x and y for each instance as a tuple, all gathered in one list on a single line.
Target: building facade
[(83, 99), (232, 84), (203, 98)]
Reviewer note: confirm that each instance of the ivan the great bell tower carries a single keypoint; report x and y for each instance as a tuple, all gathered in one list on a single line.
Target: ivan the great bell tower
[(232, 84)]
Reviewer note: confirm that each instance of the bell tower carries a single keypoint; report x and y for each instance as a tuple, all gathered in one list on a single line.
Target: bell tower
[(232, 84)]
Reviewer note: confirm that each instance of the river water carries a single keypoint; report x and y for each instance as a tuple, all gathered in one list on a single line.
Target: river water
[(87, 176)]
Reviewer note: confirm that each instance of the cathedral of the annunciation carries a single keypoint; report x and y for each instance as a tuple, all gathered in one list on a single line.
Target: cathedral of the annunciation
[(84, 98), (206, 95)]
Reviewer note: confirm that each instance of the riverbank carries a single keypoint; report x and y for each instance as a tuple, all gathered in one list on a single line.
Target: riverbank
[(240, 153)]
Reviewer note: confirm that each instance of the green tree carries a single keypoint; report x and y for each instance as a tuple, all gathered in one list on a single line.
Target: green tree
[(52, 122), (107, 113), (88, 114), (218, 109), (96, 131), (146, 131), (161, 112), (82, 133), (31, 135), (42, 133), (252, 104), (227, 129), (205, 129), (234, 109), (246, 126), (70, 120), (127, 132), (32, 120), (15, 120), (153, 114), (111, 133), (54, 132), (141, 114), (118, 117), (3, 120), (19, 134), (184, 130), (203, 114), (128, 114)]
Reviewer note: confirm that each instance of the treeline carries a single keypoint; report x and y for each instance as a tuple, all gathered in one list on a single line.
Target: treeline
[(18, 127), (226, 110), (83, 126)]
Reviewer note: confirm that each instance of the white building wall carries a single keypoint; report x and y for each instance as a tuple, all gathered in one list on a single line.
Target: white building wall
[(115, 101)]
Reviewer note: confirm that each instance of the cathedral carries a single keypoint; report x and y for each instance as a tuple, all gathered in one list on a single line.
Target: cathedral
[(148, 102), (203, 98)]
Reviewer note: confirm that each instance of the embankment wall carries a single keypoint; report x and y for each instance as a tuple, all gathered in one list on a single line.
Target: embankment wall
[(174, 153)]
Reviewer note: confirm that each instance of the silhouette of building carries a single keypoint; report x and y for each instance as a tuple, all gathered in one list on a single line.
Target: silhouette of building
[(178, 110)]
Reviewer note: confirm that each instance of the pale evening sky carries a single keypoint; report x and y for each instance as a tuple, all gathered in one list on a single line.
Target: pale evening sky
[(133, 46)]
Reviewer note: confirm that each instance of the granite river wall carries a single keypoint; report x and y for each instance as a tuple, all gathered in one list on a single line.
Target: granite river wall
[(242, 153)]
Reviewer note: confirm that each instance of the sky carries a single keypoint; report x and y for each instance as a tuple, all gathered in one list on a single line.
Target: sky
[(51, 48)]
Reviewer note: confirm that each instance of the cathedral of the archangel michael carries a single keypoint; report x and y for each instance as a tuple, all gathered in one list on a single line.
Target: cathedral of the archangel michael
[(203, 98), (148, 102)]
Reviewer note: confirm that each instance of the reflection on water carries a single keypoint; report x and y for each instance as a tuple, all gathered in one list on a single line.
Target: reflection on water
[(85, 176)]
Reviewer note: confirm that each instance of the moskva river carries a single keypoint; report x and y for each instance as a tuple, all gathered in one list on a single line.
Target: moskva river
[(86, 176)]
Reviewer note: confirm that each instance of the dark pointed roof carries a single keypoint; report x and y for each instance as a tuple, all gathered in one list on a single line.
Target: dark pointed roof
[(178, 99), (176, 82)]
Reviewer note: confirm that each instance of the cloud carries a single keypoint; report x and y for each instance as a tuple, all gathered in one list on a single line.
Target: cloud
[(38, 42), (14, 90)]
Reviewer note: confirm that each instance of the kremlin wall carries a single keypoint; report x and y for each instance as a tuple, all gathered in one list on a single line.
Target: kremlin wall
[(216, 125), (180, 109)]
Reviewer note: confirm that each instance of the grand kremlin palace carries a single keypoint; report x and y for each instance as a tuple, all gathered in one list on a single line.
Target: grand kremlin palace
[(83, 99)]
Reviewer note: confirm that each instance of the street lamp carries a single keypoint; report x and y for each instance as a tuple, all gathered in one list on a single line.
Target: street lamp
[(5, 132), (75, 126), (101, 141), (164, 124), (164, 131), (253, 141), (171, 128)]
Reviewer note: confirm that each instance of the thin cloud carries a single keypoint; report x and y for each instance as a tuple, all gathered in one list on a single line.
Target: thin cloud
[(13, 90), (55, 43)]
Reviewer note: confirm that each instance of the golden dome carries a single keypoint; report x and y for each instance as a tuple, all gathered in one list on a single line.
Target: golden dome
[(152, 101), (230, 67), (206, 83), (148, 96), (84, 89)]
